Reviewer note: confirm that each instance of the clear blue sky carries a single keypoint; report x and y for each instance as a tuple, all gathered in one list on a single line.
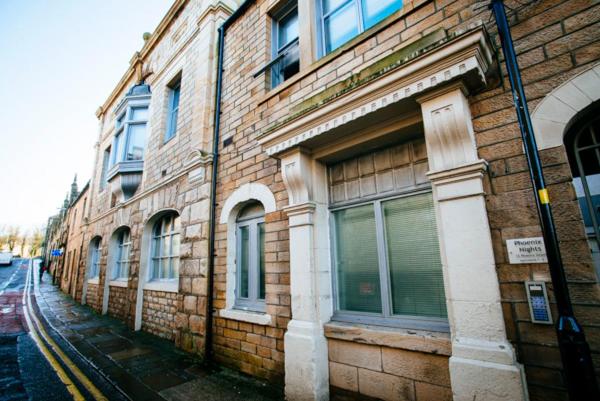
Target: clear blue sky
[(59, 61)]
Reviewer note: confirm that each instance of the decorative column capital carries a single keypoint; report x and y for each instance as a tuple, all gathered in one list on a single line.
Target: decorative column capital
[(448, 128), (301, 214), (296, 168)]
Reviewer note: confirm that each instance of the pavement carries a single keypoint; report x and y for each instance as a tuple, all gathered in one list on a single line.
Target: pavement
[(138, 365)]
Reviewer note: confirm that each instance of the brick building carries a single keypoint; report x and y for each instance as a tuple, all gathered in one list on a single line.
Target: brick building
[(370, 178), (378, 150), (144, 250)]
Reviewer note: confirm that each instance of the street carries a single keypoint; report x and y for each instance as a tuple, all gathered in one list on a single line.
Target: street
[(54, 349), (36, 363)]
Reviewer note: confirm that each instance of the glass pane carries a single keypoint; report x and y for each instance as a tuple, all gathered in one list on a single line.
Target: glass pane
[(124, 270), (414, 257), (175, 266), (244, 259), (116, 157), (139, 114), (261, 261), (376, 10), (175, 97), (136, 142), (357, 260), (166, 243), (340, 27), (155, 267), (164, 268), (330, 5), (288, 28)]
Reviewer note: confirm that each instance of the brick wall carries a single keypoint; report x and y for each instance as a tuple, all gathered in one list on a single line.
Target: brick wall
[(93, 297), (158, 313), (118, 305), (555, 40)]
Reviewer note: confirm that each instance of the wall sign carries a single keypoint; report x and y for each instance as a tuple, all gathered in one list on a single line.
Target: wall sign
[(526, 250)]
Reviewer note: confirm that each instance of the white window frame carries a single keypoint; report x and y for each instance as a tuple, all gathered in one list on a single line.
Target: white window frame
[(94, 273), (106, 163), (156, 254), (253, 302), (123, 124), (122, 260)]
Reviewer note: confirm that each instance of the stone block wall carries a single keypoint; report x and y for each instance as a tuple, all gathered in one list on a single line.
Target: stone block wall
[(94, 297), (158, 313), (118, 303), (555, 40)]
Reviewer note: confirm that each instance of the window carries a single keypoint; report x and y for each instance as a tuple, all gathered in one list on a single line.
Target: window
[(174, 92), (105, 162), (583, 147), (250, 261), (121, 268), (286, 51), (165, 248), (95, 252), (386, 253), (130, 135), (341, 20)]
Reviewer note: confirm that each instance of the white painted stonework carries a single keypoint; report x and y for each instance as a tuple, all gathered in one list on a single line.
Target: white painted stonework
[(483, 364), (555, 111), (229, 213), (306, 356)]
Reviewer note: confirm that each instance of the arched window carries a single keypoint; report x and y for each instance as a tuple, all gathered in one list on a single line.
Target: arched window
[(583, 147), (123, 250), (95, 252), (165, 248), (250, 260)]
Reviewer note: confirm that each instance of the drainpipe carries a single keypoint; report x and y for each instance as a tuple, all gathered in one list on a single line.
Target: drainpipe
[(574, 349), (213, 189)]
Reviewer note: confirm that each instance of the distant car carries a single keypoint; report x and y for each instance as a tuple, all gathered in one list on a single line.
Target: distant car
[(6, 258)]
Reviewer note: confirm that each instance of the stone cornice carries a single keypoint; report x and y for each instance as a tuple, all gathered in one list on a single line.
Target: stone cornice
[(157, 35), (466, 57)]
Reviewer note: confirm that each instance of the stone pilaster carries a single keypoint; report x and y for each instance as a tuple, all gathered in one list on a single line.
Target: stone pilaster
[(483, 364), (306, 356)]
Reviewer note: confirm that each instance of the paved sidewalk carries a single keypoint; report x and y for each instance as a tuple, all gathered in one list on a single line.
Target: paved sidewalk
[(143, 366)]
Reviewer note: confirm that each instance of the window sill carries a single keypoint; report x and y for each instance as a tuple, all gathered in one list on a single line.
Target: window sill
[(164, 286), (119, 283), (320, 61), (246, 316), (95, 280), (413, 340)]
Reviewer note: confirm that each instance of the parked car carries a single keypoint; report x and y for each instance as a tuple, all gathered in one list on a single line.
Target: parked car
[(6, 258)]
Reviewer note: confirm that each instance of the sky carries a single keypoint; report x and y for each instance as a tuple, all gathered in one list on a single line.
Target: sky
[(59, 61)]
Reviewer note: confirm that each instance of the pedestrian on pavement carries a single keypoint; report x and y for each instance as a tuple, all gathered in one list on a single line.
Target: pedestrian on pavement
[(42, 268)]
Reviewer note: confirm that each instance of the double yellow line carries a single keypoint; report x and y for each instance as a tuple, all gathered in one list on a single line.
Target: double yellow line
[(41, 338)]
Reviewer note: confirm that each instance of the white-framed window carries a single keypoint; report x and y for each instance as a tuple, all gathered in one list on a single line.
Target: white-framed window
[(95, 253), (341, 20), (250, 259), (385, 248), (173, 110), (123, 251), (164, 255), (130, 134)]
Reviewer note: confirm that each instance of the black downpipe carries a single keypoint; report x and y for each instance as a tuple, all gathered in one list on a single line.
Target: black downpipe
[(213, 188), (574, 350)]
